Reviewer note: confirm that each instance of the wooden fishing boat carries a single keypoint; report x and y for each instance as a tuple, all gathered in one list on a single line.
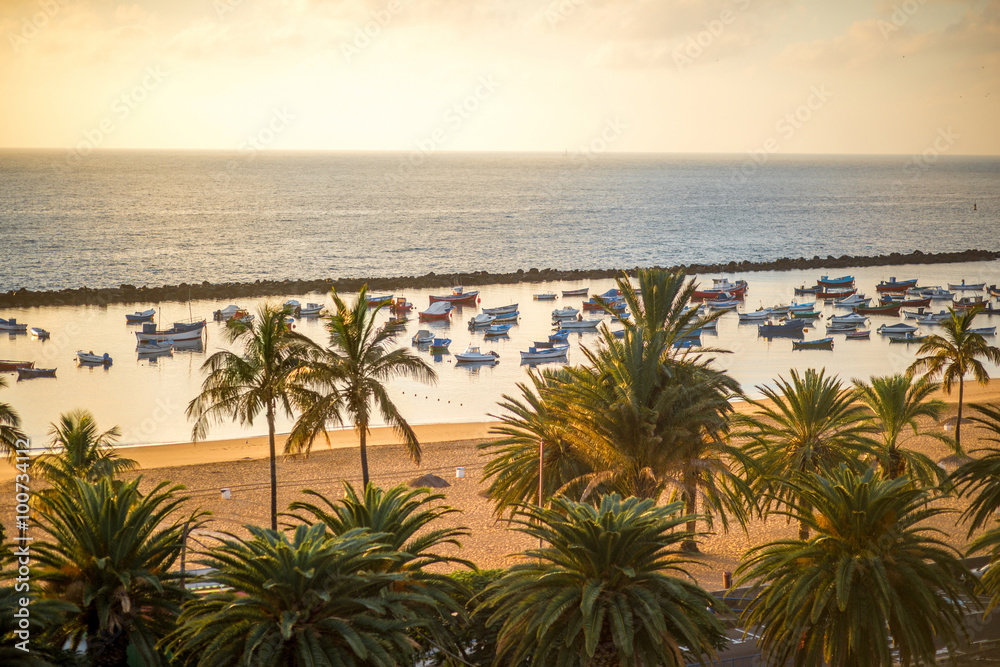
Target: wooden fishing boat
[(722, 289), (963, 286), (841, 327), (993, 290), (311, 310), (472, 354), (379, 299), (497, 330), (501, 310), (542, 354), (893, 285), (789, 327), (907, 338), (583, 291), (561, 335), (12, 326), (155, 349), (853, 317), (181, 331), (936, 293), (890, 330), (438, 310), (481, 320), (922, 302), (7, 365), (422, 337), (440, 345), (984, 331), (970, 302), (458, 297), (818, 344), (852, 301), (888, 309), (400, 306), (91, 358), (804, 314), (547, 296), (801, 291), (39, 333), (507, 317), (136, 317), (859, 335), (835, 293), (579, 325), (799, 307), (756, 316), (560, 313), (843, 281), (30, 373)]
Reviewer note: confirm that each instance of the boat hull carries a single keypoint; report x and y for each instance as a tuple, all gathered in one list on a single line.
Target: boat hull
[(168, 334), (9, 365), (880, 310), (464, 299), (29, 373)]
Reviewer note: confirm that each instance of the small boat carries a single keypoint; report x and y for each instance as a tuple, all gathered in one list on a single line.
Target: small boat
[(756, 316), (397, 321), (896, 329), (7, 365), (39, 333), (722, 289), (583, 291), (540, 354), (440, 345), (565, 312), (12, 325), (155, 349), (584, 325), (835, 293), (481, 320), (91, 358), (969, 302), (963, 286), (779, 309), (801, 306), (181, 331), (818, 344), (423, 336), (993, 290), (562, 334), (378, 299), (473, 355), (852, 301), (497, 330), (907, 338), (311, 310), (893, 285), (547, 296), (29, 373), (616, 304), (843, 281), (723, 304), (936, 293), (545, 344), (458, 297), (859, 335), (618, 333), (916, 314), (438, 310), (853, 317), (501, 310), (507, 317), (888, 309), (804, 314), (687, 343), (984, 331), (841, 327), (801, 291), (791, 326), (921, 302), (230, 312), (400, 306), (144, 316)]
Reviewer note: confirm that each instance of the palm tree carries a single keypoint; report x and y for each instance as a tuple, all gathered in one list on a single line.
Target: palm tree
[(109, 551), (802, 426), (240, 386), (896, 402), (79, 451), (979, 479), (303, 599), (610, 589), (401, 519), (954, 355), (10, 429), (348, 379), (871, 580)]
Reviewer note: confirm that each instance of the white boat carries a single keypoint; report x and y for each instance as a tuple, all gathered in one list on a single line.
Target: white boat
[(548, 296), (292, 304), (756, 316), (39, 333), (984, 331), (144, 316), (841, 327), (179, 332), (579, 324), (723, 304), (422, 336), (155, 349), (852, 301), (310, 309), (232, 312), (539, 354), (482, 320), (91, 358), (500, 310), (565, 312), (974, 287), (891, 330), (473, 355), (439, 310), (12, 325), (582, 291), (852, 317), (936, 293), (780, 309)]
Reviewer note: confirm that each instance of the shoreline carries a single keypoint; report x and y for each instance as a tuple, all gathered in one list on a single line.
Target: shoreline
[(124, 294)]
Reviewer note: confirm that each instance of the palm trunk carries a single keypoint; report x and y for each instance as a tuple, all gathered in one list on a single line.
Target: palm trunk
[(690, 507), (109, 649), (364, 456), (274, 471), (958, 422), (803, 526)]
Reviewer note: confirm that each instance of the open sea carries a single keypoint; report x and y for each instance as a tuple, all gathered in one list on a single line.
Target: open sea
[(154, 218)]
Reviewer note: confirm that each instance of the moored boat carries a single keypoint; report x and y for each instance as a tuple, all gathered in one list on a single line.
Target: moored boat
[(936, 293), (789, 327), (541, 354), (8, 365), (582, 291), (756, 316), (804, 314), (859, 335), (310, 310), (993, 290), (906, 338), (583, 325), (400, 306), (565, 312), (852, 317), (144, 316), (497, 330), (896, 329), (969, 302), (561, 335), (378, 299), (458, 297), (181, 331), (481, 320), (817, 344), (722, 289), (920, 302), (39, 333), (828, 294), (501, 310), (984, 331), (841, 327), (91, 358), (155, 349), (801, 291), (722, 304), (472, 354), (547, 296), (893, 285), (438, 310), (852, 301), (29, 373), (801, 306), (422, 336), (440, 345), (888, 309), (507, 317), (12, 326), (963, 286), (230, 312), (842, 282)]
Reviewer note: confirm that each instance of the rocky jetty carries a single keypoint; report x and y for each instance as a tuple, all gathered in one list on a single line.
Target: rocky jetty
[(85, 296)]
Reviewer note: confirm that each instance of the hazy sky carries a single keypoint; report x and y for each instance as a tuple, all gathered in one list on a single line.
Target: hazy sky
[(834, 76)]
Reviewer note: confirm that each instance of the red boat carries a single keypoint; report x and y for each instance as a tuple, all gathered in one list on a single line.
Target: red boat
[(844, 282), (893, 285), (723, 289), (835, 294), (458, 297), (400, 305), (969, 302), (890, 309), (7, 365), (908, 303), (437, 311)]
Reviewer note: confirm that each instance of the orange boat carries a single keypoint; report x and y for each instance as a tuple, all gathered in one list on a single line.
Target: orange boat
[(8, 365), (889, 309)]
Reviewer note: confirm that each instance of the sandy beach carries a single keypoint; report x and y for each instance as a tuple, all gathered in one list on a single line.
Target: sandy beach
[(205, 468)]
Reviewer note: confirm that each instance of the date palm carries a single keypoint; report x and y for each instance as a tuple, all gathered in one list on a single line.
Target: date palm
[(301, 599), (609, 589), (804, 424), (10, 429), (979, 479), (79, 451), (109, 550), (239, 386), (348, 378), (954, 355), (896, 402), (872, 579)]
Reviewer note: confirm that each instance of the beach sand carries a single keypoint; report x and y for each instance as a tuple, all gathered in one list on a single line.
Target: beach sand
[(241, 465)]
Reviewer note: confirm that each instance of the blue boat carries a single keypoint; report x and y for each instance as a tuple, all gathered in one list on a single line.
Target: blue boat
[(497, 330), (562, 334), (843, 281), (440, 345), (794, 327), (506, 317)]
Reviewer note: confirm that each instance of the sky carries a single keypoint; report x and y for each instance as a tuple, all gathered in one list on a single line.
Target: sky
[(676, 76)]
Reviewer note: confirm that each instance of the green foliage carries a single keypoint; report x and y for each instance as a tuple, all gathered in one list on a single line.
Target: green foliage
[(873, 578), (79, 451), (10, 428), (45, 616), (605, 591), (475, 639)]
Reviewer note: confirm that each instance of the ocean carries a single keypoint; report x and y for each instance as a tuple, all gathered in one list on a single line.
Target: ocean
[(148, 218)]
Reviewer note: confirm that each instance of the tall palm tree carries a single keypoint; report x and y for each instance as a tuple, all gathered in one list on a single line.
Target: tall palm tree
[(79, 451), (44, 616), (609, 589), (241, 386), (299, 599), (897, 402), (954, 355), (108, 550), (802, 426), (871, 580), (348, 379), (10, 429)]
